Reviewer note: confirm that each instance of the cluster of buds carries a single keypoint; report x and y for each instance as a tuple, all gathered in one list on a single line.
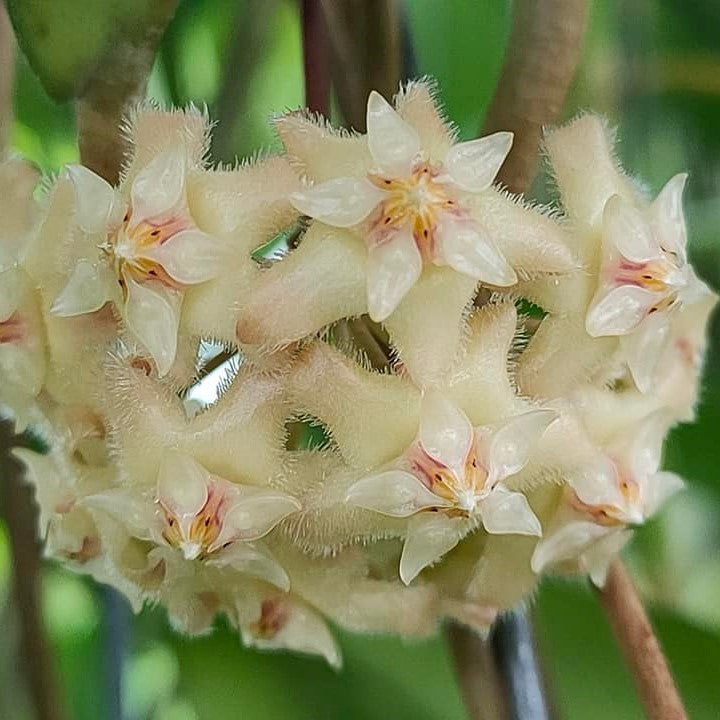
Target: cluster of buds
[(356, 382)]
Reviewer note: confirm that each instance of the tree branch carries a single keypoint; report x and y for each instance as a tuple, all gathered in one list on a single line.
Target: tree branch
[(21, 519), (118, 84), (316, 57), (366, 45), (640, 646), (540, 63)]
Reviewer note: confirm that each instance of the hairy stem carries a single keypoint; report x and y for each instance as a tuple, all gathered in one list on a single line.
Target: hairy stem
[(540, 63), (118, 84), (640, 646), (366, 45)]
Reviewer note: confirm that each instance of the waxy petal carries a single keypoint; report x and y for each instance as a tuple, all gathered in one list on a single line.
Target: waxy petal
[(445, 431), (642, 349), (618, 311), (626, 230), (133, 511), (255, 513), (505, 512), (473, 165), (511, 445), (182, 485), (647, 444), (429, 537), (395, 493), (659, 488), (393, 144), (597, 559), (13, 283), (341, 202), (159, 187), (302, 631), (152, 312), (567, 543), (667, 217), (89, 288), (470, 251), (191, 256), (98, 206), (596, 483), (392, 269), (252, 559)]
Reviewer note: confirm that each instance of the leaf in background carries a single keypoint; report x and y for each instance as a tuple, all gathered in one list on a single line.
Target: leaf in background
[(588, 676)]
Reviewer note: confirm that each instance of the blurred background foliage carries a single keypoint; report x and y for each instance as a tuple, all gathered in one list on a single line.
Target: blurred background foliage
[(652, 67)]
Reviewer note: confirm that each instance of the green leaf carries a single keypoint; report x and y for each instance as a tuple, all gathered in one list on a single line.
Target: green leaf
[(66, 41)]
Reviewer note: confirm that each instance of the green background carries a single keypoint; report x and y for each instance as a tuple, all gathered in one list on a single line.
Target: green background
[(652, 67)]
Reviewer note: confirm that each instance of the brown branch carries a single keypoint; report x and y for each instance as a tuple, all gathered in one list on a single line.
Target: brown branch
[(118, 84), (477, 673), (21, 518), (246, 45), (640, 646), (316, 57), (366, 45), (540, 63)]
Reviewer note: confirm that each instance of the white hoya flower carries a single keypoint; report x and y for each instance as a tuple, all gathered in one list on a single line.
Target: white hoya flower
[(645, 275), (452, 473), (287, 623), (410, 211), (202, 517), (618, 488), (149, 251)]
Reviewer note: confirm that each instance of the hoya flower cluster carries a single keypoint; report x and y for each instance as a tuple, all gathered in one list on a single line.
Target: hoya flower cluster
[(489, 383)]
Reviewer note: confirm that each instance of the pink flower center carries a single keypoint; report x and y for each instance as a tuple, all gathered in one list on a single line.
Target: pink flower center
[(12, 330)]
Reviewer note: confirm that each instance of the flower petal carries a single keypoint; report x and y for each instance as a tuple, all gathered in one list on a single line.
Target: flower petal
[(596, 483), (88, 289), (464, 247), (445, 431), (510, 446), (98, 206), (182, 485), (341, 202), (191, 256), (626, 230), (159, 187), (392, 269), (255, 513), (618, 311), (429, 537), (473, 165), (302, 630), (659, 488), (152, 312), (647, 444), (596, 560), (252, 559), (133, 511), (393, 143), (504, 512), (567, 543), (667, 216), (642, 349), (395, 493)]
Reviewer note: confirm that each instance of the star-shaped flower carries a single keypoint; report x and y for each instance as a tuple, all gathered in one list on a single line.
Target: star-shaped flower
[(411, 211), (644, 277), (451, 474), (617, 489), (148, 251), (202, 517)]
